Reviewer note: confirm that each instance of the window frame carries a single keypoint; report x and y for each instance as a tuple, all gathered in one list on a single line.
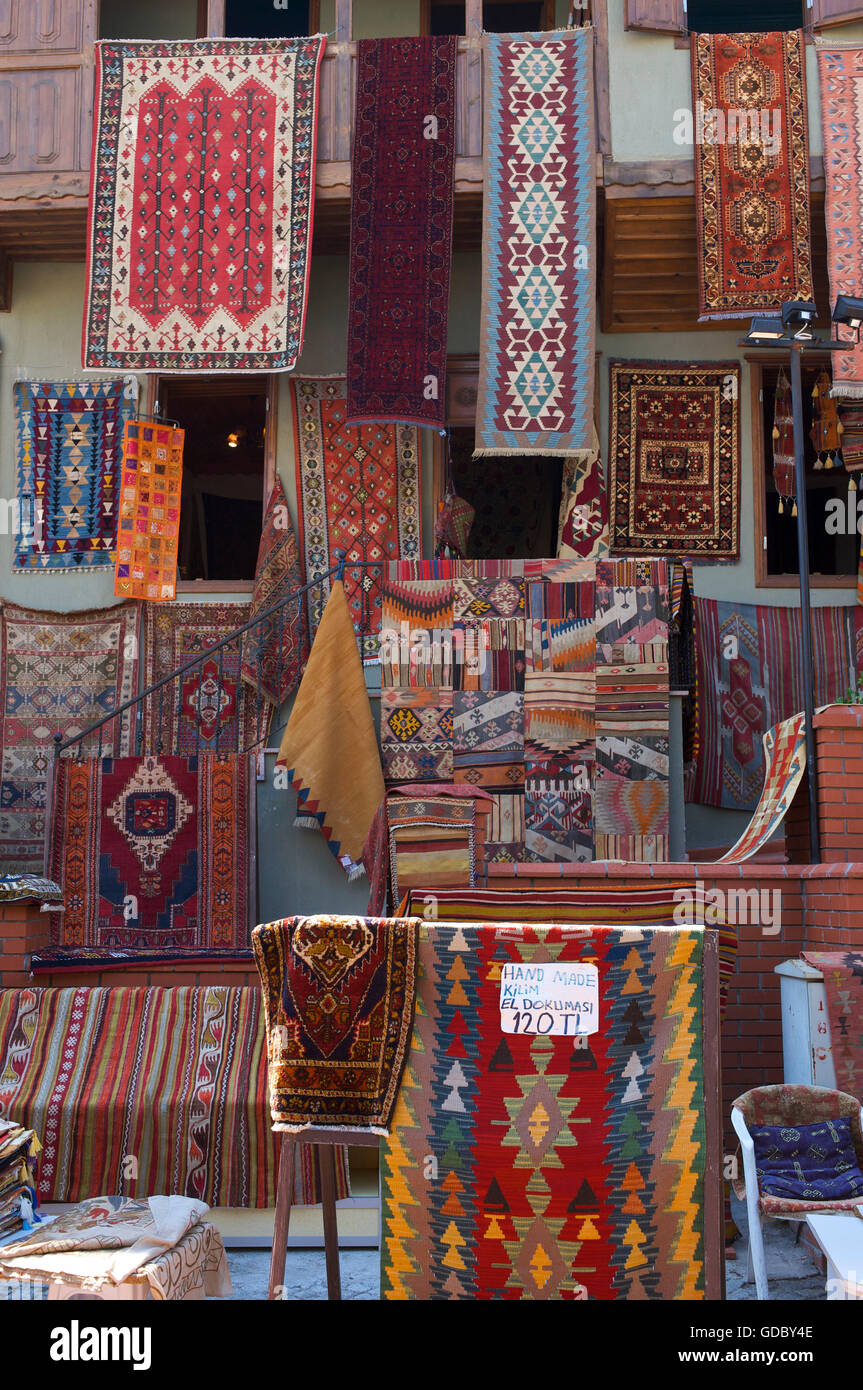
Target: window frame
[(473, 15), (211, 18), (237, 384), (763, 579)]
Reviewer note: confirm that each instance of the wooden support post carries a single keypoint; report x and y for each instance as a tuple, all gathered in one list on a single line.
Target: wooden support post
[(215, 18), (472, 18), (331, 1233), (344, 21), (284, 1200), (5, 283)]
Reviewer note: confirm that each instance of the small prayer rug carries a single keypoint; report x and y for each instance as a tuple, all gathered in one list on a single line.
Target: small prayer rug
[(201, 204), (338, 1003), (68, 447), (432, 842), (154, 851), (402, 165), (674, 446), (275, 652), (59, 672), (142, 1092), (751, 172), (209, 709), (566, 1167), (359, 492), (148, 531), (538, 273)]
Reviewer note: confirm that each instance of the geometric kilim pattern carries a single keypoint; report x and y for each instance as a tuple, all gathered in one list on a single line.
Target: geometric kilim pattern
[(201, 204), (751, 172), (785, 764), (543, 1167), (59, 672), (675, 458), (148, 535), (68, 440), (536, 345), (840, 72), (358, 489)]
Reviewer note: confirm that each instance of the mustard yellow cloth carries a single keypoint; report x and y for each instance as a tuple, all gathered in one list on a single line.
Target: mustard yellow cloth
[(329, 747)]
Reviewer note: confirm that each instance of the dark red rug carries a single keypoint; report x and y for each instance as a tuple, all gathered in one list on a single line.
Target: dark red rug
[(401, 229)]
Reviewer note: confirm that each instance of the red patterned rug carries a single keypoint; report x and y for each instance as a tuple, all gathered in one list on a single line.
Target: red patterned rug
[(674, 458), (209, 709), (840, 71), (843, 985), (154, 851), (401, 229), (751, 172), (338, 1002), (201, 204), (359, 491), (275, 652)]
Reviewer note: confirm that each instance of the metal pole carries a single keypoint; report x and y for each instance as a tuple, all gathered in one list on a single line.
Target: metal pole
[(805, 611)]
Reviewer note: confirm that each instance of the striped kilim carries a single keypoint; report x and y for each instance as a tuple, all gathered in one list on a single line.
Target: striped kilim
[(432, 841), (547, 1167), (536, 341), (785, 764), (174, 1078)]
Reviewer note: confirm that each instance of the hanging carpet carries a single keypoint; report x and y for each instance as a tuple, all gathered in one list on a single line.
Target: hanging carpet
[(201, 203), (583, 522), (751, 172), (843, 985), (275, 652), (401, 229), (538, 277), (59, 672), (148, 529), (840, 74)]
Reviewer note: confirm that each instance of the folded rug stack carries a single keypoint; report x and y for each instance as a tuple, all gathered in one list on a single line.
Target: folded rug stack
[(18, 1199)]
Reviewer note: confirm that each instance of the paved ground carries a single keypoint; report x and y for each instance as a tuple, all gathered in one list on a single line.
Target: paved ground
[(791, 1270)]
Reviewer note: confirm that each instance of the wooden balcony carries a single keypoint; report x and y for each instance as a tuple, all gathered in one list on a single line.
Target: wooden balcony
[(46, 103)]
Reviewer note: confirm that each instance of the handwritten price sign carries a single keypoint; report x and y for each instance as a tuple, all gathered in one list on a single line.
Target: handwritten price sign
[(550, 998)]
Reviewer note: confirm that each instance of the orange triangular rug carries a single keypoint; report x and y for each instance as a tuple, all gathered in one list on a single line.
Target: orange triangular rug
[(329, 746)]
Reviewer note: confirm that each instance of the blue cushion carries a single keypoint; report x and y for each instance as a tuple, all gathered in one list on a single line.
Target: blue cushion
[(816, 1162)]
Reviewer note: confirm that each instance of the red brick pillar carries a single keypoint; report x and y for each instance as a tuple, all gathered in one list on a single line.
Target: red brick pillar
[(839, 751), (23, 928)]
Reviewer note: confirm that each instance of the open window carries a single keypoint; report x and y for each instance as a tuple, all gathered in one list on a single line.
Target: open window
[(262, 19), (735, 16), (228, 472), (498, 16), (833, 552)]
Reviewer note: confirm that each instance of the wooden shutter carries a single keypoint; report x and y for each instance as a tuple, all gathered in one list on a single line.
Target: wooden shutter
[(821, 14), (658, 16), (46, 85)]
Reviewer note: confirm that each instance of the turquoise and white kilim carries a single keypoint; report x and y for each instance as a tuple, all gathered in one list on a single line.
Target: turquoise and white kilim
[(537, 344)]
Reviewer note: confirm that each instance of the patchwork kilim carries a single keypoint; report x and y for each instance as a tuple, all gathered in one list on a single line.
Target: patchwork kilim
[(538, 279), (416, 734), (68, 447), (338, 1002), (173, 1078), (751, 172), (154, 851), (274, 652), (201, 204), (583, 523), (432, 842), (674, 450), (843, 985), (750, 678), (58, 672), (784, 766), (209, 709), (536, 659), (329, 748), (148, 530), (402, 165), (561, 1167), (359, 492), (840, 74)]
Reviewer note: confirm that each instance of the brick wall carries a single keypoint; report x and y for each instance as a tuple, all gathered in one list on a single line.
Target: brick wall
[(839, 756)]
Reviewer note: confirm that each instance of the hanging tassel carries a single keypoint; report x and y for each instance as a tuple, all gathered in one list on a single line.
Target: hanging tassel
[(794, 508), (781, 508)]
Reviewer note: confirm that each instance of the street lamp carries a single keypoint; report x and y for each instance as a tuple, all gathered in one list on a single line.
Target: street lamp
[(793, 331)]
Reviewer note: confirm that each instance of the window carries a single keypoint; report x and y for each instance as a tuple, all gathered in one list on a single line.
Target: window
[(228, 471), (736, 16), (498, 16), (833, 553), (261, 19)]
